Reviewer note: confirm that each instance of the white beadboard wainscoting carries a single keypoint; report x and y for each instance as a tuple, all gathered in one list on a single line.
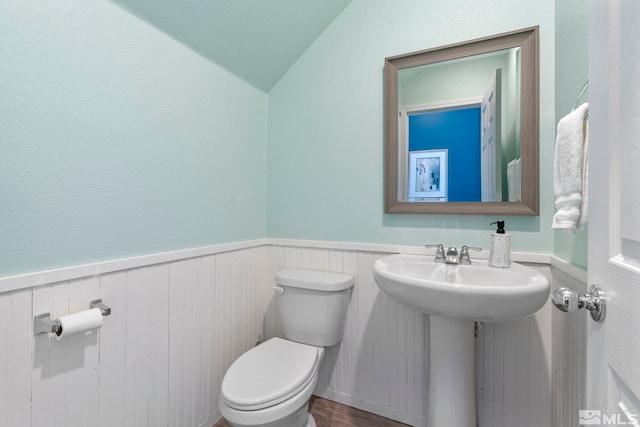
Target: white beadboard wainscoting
[(569, 354), (513, 370), (158, 360), (180, 319)]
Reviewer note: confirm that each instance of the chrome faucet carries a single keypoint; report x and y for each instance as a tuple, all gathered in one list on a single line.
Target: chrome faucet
[(452, 256)]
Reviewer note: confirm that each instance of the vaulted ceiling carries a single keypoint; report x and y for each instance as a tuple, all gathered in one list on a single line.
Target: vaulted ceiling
[(257, 40)]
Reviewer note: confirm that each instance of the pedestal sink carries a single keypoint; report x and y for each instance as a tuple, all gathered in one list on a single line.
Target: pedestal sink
[(457, 296)]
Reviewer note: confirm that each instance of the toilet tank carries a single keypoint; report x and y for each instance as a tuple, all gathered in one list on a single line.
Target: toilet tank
[(313, 306)]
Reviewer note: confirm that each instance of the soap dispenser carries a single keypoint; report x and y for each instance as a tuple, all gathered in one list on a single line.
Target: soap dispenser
[(500, 254)]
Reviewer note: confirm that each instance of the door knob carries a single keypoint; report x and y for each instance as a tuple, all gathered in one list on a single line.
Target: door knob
[(569, 301)]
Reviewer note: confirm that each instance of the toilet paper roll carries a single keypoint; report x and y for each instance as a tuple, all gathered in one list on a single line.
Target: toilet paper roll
[(79, 322)]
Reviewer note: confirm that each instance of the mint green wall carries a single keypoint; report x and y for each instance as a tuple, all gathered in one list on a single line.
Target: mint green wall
[(116, 140), (571, 73), (456, 80), (325, 126)]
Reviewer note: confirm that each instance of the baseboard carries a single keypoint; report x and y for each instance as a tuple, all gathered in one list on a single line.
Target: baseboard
[(213, 419), (374, 408)]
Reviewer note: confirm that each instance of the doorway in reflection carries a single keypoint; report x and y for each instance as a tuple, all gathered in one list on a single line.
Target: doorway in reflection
[(456, 130)]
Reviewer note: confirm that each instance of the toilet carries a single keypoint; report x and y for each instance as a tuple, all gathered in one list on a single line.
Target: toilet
[(270, 385)]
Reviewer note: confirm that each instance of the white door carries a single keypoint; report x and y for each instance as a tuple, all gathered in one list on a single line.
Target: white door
[(613, 359), (490, 148)]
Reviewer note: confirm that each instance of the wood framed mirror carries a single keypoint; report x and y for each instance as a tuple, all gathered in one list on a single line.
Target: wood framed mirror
[(462, 127)]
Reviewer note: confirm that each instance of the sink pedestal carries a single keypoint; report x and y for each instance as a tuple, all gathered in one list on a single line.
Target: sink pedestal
[(451, 394)]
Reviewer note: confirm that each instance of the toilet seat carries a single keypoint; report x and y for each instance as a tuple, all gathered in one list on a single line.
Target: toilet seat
[(269, 374)]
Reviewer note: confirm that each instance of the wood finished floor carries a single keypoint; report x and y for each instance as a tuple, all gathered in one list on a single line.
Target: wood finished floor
[(332, 414)]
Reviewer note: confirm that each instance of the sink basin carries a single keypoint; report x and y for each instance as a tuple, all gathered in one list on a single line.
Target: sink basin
[(474, 292)]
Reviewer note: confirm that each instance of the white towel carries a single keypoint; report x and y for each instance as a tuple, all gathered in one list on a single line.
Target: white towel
[(518, 179), (570, 171), (514, 179)]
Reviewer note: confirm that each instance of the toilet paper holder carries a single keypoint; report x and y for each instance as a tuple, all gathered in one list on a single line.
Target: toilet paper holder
[(43, 324)]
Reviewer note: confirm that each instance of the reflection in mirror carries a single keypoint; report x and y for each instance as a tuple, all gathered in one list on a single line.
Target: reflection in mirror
[(462, 128), (469, 108)]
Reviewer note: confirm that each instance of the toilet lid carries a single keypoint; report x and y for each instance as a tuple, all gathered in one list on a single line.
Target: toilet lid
[(269, 374)]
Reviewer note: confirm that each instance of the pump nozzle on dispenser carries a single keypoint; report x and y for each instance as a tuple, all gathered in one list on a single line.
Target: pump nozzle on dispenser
[(500, 226)]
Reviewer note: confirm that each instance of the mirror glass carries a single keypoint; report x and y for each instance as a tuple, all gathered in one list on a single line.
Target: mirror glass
[(461, 125)]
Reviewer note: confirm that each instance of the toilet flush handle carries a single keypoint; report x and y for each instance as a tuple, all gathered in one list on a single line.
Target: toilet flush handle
[(278, 289)]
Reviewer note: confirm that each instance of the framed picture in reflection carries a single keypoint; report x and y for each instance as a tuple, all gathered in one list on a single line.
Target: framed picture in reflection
[(428, 175)]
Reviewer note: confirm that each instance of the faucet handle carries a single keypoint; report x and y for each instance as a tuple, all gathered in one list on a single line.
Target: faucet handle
[(464, 254), (439, 251)]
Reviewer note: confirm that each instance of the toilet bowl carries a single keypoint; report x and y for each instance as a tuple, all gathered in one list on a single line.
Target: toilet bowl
[(270, 385)]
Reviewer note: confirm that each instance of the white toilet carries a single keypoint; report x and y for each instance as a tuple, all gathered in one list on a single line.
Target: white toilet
[(270, 385)]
